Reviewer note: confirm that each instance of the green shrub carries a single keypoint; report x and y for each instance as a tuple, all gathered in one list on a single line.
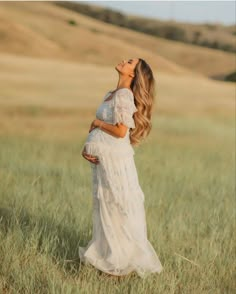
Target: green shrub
[(72, 22), (231, 77)]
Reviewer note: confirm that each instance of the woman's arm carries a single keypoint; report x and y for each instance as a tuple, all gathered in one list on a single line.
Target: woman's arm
[(119, 130)]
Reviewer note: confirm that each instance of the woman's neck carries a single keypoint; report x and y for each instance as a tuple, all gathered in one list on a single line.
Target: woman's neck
[(124, 82)]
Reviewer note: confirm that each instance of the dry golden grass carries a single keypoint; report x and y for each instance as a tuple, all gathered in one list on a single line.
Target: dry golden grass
[(57, 99), (41, 29)]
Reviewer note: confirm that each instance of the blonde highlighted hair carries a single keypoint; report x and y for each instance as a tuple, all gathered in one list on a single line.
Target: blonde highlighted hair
[(143, 87)]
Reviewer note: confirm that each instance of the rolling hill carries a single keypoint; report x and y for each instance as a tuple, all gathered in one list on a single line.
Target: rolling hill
[(42, 29)]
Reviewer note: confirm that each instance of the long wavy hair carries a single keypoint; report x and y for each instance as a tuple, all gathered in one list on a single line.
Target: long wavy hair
[(143, 87)]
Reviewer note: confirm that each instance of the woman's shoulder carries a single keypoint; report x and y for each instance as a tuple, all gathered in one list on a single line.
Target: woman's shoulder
[(124, 97), (124, 94), (126, 91), (119, 94)]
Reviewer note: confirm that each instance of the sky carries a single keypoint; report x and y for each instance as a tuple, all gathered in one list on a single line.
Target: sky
[(187, 11)]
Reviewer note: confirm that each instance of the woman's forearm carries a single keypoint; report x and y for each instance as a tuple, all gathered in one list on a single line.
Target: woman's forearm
[(110, 129), (118, 131)]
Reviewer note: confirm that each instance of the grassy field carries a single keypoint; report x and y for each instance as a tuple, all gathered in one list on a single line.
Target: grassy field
[(187, 173), (186, 169)]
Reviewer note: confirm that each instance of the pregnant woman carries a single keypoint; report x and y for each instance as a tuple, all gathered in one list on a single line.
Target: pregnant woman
[(119, 245)]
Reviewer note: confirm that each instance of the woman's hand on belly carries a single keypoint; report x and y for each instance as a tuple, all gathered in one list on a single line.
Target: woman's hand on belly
[(89, 157), (93, 125), (119, 130)]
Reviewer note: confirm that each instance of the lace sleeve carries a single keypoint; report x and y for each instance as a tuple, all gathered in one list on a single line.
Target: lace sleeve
[(124, 108)]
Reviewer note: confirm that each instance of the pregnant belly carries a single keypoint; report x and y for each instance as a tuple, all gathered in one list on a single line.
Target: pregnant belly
[(94, 142), (99, 143)]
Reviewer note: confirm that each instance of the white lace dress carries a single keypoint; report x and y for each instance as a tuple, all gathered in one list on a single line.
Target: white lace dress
[(119, 244)]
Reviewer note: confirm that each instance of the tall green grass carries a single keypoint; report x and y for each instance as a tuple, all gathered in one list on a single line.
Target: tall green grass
[(186, 169)]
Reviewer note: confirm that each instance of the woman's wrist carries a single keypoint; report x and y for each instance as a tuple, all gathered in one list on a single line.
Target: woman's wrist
[(100, 124), (96, 123)]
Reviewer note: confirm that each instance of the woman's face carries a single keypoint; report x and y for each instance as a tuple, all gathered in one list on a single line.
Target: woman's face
[(126, 67)]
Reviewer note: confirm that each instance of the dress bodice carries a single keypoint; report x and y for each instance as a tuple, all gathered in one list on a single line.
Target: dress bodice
[(120, 108), (105, 110)]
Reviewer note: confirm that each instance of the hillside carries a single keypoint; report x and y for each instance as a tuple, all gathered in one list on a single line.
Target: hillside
[(49, 35), (46, 97), (59, 33), (217, 36)]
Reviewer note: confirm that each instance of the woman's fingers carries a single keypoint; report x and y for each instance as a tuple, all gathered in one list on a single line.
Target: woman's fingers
[(91, 128), (90, 158), (93, 160), (93, 125)]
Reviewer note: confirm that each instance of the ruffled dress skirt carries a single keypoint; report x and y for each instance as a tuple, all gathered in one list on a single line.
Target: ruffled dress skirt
[(119, 243)]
